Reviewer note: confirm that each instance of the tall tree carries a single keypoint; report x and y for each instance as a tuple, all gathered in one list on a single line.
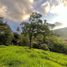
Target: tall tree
[(35, 26)]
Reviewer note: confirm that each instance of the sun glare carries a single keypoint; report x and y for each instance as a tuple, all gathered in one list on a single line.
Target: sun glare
[(31, 1), (61, 12), (25, 17)]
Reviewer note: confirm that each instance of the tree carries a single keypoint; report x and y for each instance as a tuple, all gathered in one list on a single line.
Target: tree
[(18, 29), (5, 33), (34, 27), (16, 39)]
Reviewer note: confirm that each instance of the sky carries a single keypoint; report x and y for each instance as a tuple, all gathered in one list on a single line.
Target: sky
[(20, 10)]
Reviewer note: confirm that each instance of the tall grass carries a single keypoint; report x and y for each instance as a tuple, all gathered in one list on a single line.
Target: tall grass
[(17, 56)]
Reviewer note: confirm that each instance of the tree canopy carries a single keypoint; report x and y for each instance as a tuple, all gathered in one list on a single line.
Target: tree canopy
[(5, 33), (35, 26)]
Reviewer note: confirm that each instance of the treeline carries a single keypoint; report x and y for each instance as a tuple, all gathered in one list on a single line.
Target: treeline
[(35, 34)]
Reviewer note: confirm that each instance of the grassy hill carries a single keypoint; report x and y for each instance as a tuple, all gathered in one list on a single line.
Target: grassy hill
[(17, 56)]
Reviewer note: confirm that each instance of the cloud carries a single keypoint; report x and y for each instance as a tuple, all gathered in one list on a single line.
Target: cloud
[(65, 2), (21, 9), (16, 8), (46, 7), (3, 11)]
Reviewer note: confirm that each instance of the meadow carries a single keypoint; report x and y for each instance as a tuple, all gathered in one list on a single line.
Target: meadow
[(21, 56)]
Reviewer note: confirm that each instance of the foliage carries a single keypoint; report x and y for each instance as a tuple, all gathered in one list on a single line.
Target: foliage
[(6, 34), (24, 40), (40, 46), (44, 46), (55, 44), (16, 39), (35, 26)]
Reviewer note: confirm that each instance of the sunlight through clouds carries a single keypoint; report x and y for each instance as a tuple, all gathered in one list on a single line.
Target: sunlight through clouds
[(31, 1), (65, 2), (61, 12)]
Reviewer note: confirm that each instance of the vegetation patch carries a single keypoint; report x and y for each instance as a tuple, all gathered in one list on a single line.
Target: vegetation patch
[(10, 57)]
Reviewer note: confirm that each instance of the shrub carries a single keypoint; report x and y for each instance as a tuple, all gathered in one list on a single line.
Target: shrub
[(40, 46), (44, 46), (55, 44), (35, 45), (65, 49), (24, 40)]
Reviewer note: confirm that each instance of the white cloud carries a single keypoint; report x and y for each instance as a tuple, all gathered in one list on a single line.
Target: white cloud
[(3, 11), (46, 7), (16, 8), (31, 1), (65, 2), (61, 12)]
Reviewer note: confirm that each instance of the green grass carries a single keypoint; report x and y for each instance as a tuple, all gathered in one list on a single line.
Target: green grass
[(17, 56)]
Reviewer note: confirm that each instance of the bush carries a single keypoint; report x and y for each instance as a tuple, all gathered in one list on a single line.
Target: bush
[(35, 45), (40, 46), (24, 40), (44, 46), (55, 44), (65, 49)]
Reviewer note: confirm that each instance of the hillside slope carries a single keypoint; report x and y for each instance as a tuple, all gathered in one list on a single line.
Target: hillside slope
[(61, 32), (16, 56)]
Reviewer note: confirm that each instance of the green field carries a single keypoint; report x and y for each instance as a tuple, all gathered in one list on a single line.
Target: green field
[(17, 56)]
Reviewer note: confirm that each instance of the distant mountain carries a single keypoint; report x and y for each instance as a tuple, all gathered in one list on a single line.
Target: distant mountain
[(62, 32), (52, 26), (58, 23)]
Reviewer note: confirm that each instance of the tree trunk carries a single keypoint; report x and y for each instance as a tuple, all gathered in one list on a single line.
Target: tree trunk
[(30, 42)]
